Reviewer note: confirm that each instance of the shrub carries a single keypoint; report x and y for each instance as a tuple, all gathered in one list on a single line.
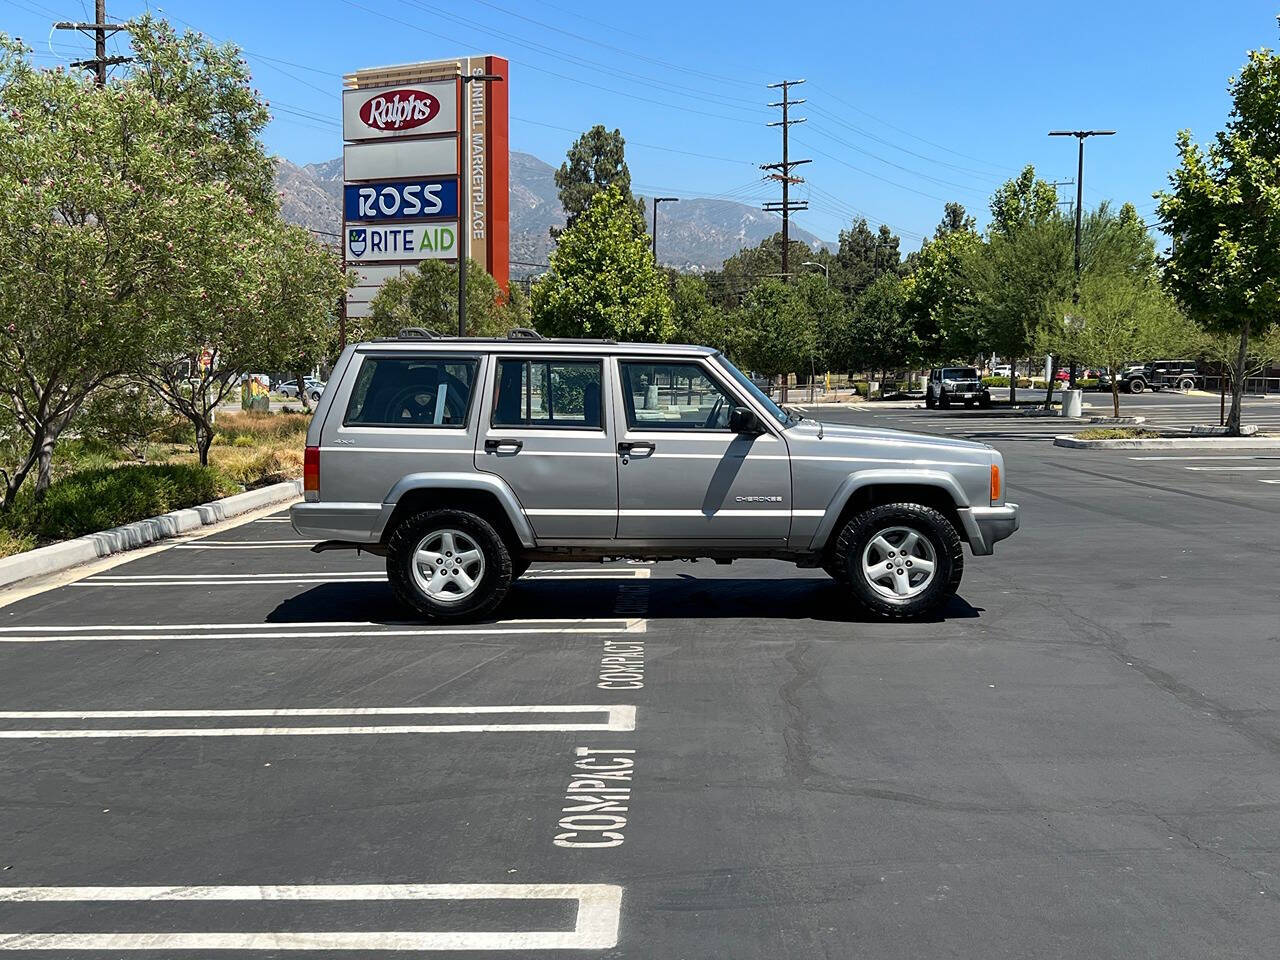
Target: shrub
[(11, 543), (98, 499), (1117, 433), (995, 381), (860, 387)]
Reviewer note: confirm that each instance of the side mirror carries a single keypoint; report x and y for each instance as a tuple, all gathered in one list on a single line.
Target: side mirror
[(742, 420)]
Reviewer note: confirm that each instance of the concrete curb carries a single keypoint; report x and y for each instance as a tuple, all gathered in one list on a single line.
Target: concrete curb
[(70, 553), (1171, 443)]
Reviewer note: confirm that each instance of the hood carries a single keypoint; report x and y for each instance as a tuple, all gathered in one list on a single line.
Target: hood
[(917, 445)]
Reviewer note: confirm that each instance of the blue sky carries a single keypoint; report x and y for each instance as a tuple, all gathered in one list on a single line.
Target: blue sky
[(909, 104)]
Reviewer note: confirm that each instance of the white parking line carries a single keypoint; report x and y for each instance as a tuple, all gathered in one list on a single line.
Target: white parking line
[(595, 928), (1233, 469), (1211, 456), (307, 631), (343, 576), (618, 718)]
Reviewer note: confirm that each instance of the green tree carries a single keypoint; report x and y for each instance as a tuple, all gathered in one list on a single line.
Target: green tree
[(104, 194), (955, 219), (741, 272), (940, 296), (428, 297), (603, 281), (1223, 211), (696, 319), (1024, 271), (777, 334), (864, 256), (1122, 318), (595, 162), (880, 336)]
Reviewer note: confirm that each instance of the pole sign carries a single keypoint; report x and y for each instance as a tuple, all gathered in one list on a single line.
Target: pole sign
[(400, 200), (412, 144), (409, 241)]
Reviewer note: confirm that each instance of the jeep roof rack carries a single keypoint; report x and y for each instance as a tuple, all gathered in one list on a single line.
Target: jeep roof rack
[(418, 333), (524, 333)]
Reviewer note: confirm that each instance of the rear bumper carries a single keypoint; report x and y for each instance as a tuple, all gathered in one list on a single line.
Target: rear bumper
[(984, 526), (352, 522)]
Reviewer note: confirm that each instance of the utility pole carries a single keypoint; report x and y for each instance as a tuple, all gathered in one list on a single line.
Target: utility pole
[(464, 190), (1081, 136), (99, 30), (782, 171), (656, 201), (1061, 183)]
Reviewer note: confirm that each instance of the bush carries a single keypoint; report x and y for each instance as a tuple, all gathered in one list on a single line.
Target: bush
[(91, 500), (1086, 383), (860, 387), (1117, 433), (261, 426), (995, 381)]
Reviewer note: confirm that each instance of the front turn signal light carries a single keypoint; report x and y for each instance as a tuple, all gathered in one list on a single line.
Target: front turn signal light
[(995, 483)]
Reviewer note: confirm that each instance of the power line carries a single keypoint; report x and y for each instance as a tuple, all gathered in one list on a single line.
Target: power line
[(875, 176), (100, 29)]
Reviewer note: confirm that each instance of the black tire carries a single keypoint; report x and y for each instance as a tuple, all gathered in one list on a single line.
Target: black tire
[(1136, 385), (929, 524), (985, 401), (929, 400), (495, 578), (944, 401)]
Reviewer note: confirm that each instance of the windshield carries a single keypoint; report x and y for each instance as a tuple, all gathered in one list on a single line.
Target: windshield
[(960, 373), (774, 410)]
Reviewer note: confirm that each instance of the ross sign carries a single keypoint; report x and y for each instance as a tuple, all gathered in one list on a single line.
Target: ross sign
[(410, 241), (400, 200), (416, 110), (397, 159)]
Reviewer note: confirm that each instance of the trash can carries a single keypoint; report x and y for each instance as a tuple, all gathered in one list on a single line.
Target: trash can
[(1072, 402)]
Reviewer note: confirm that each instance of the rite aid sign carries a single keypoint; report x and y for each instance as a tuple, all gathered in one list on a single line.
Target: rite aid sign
[(412, 241), (406, 111), (403, 200)]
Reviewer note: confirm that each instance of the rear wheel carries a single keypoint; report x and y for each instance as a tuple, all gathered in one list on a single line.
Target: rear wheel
[(899, 560), (448, 564)]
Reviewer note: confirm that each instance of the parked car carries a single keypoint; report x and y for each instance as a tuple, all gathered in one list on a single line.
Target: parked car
[(955, 383), (489, 454), (315, 389), (1002, 370), (1178, 374)]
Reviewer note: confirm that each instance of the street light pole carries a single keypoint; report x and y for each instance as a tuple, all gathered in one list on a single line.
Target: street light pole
[(1081, 136), (656, 201), (464, 192), (827, 274)]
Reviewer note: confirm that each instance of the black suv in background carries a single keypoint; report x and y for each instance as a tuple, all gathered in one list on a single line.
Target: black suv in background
[(956, 383), (1179, 374)]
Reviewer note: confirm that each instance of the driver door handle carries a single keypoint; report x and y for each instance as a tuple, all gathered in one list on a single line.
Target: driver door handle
[(643, 446), (503, 446)]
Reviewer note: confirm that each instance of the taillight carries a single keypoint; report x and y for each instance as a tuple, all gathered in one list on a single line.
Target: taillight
[(311, 470), (995, 483)]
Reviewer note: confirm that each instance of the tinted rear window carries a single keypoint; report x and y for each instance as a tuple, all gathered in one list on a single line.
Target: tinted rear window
[(412, 392)]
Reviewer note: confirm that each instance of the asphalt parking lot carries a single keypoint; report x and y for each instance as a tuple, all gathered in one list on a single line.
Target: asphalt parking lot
[(242, 750)]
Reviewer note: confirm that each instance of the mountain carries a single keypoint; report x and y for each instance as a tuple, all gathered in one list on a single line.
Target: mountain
[(694, 235)]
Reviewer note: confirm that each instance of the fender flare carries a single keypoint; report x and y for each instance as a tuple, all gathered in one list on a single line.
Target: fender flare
[(481, 482), (882, 477)]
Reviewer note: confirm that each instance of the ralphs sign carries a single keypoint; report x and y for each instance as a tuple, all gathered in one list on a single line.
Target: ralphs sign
[(377, 112), (401, 200)]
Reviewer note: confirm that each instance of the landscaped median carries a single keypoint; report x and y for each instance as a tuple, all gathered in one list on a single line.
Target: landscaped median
[(1140, 438), (105, 499)]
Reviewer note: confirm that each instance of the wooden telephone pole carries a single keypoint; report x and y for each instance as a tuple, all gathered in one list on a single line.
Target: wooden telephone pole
[(99, 30), (781, 172)]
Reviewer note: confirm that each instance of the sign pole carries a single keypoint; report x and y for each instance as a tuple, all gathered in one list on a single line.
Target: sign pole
[(464, 189)]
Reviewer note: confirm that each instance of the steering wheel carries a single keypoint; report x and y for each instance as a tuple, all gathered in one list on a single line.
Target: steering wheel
[(715, 412)]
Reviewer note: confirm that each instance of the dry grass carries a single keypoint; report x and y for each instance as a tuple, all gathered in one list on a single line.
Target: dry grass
[(1117, 433)]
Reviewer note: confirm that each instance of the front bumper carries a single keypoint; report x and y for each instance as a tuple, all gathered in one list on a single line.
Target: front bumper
[(984, 526)]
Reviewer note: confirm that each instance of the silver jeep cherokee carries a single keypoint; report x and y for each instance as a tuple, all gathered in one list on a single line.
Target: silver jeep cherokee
[(463, 460)]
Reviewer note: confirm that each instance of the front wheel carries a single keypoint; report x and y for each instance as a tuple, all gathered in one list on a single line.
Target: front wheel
[(448, 564), (944, 401), (929, 401), (900, 560), (1136, 386), (985, 401)]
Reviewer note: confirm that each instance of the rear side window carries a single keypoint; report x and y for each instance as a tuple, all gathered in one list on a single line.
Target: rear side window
[(548, 393), (412, 392)]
